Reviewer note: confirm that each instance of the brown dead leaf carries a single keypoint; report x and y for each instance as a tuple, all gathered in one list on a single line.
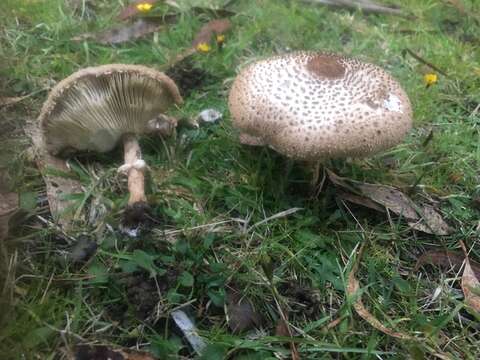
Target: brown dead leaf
[(360, 200), (419, 217), (102, 352), (205, 34), (241, 313), (353, 287), (207, 31), (470, 284), (445, 258), (8, 206), (283, 329), (391, 198), (6, 101), (430, 222), (129, 32), (58, 187)]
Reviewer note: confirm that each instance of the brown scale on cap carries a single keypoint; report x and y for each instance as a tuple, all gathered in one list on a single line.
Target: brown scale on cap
[(313, 106)]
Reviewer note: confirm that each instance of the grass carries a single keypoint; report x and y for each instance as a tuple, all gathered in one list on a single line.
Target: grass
[(124, 294)]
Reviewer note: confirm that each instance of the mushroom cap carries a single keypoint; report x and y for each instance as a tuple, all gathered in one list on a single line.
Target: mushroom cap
[(91, 109), (313, 106)]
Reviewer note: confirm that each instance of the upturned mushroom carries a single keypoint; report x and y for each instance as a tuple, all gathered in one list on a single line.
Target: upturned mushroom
[(316, 106), (97, 107)]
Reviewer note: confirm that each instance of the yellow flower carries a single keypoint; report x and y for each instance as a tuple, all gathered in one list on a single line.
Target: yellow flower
[(220, 39), (144, 7), (203, 47), (430, 79)]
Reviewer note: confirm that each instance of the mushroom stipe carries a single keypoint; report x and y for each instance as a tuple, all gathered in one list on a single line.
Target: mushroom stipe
[(96, 108)]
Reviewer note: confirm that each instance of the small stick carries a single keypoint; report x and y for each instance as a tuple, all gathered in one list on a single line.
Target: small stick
[(423, 61), (363, 5)]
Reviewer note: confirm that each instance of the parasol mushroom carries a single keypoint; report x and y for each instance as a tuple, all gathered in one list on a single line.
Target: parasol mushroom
[(97, 107), (316, 106)]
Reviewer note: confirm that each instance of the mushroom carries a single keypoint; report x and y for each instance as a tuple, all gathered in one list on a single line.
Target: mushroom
[(315, 106), (8, 206), (97, 107)]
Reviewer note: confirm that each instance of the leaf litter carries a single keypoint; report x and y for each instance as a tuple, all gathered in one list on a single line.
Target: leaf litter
[(55, 175), (470, 284), (133, 31), (447, 259), (419, 217), (138, 26)]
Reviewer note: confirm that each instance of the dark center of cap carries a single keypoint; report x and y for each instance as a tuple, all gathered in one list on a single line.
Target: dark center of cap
[(326, 67)]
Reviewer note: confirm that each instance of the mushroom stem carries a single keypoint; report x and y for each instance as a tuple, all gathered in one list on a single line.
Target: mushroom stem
[(136, 177)]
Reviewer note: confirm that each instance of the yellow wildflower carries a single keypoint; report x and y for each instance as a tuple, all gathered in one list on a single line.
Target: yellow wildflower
[(430, 79), (144, 7), (203, 47), (220, 39)]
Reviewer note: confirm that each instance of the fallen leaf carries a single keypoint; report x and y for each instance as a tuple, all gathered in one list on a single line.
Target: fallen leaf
[(353, 288), (132, 31), (470, 284), (360, 200), (58, 187), (419, 217), (391, 198), (9, 203), (241, 313), (445, 258), (103, 352), (207, 31), (431, 222), (282, 329), (204, 36)]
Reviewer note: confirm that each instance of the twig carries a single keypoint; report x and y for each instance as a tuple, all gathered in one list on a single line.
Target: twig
[(423, 61), (363, 5)]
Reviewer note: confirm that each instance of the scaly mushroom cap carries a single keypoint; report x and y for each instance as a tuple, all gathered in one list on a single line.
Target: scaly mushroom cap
[(92, 108), (314, 106)]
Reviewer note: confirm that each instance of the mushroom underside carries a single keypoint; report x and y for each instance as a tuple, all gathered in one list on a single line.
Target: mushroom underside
[(99, 107)]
